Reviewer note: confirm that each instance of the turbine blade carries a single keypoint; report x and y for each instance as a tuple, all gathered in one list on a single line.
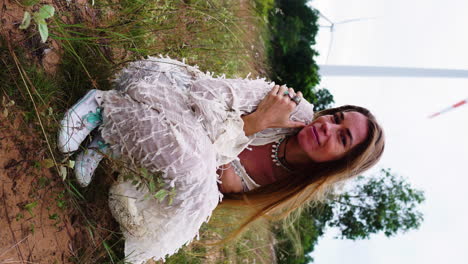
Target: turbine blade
[(355, 20), (324, 17), (329, 48), (449, 108)]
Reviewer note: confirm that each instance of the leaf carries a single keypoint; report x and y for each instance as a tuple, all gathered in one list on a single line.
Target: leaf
[(29, 2), (5, 112), (47, 163), (54, 216), (26, 20), (30, 206), (46, 11), (160, 195), (63, 172), (43, 30), (151, 186), (71, 164), (144, 173)]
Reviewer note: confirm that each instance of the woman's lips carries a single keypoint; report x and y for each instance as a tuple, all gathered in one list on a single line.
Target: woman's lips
[(316, 135)]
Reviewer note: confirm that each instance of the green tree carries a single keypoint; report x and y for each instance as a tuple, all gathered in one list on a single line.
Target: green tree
[(384, 203), (293, 27)]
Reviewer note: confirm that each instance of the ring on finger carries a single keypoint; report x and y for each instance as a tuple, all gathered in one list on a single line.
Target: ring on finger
[(296, 99)]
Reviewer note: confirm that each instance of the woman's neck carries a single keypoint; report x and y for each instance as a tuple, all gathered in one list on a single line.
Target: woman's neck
[(295, 156)]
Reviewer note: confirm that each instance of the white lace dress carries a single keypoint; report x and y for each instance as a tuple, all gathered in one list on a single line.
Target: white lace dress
[(167, 116)]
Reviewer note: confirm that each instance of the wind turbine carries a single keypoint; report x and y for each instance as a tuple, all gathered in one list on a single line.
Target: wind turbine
[(462, 102), (332, 28)]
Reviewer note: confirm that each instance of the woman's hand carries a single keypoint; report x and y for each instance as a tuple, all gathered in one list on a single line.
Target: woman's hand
[(273, 111)]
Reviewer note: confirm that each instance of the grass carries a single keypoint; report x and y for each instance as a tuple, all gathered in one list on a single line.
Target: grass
[(220, 36)]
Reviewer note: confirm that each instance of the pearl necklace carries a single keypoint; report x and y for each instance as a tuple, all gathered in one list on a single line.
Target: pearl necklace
[(281, 162)]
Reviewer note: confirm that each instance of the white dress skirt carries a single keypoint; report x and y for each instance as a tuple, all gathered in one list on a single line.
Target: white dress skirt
[(169, 117)]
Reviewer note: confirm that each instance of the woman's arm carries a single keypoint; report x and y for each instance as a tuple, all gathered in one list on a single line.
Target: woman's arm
[(230, 181), (233, 110)]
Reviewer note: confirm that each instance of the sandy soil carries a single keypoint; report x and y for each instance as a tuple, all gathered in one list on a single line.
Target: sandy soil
[(40, 221), (36, 224)]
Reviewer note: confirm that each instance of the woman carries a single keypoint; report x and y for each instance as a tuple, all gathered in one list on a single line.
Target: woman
[(210, 136)]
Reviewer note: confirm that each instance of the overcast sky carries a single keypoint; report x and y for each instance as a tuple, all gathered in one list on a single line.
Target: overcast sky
[(431, 153)]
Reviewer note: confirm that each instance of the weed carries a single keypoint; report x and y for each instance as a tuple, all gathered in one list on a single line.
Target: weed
[(43, 182), (19, 216), (29, 207), (45, 12), (60, 201), (54, 217)]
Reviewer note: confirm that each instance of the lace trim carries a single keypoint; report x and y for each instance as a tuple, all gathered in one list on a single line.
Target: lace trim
[(248, 183)]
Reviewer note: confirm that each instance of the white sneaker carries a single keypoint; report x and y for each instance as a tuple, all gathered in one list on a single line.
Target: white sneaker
[(88, 160), (79, 121)]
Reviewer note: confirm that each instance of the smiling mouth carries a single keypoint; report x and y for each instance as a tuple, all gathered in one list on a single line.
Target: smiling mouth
[(316, 135)]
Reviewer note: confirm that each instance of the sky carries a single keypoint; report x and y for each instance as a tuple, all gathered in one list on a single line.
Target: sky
[(432, 154)]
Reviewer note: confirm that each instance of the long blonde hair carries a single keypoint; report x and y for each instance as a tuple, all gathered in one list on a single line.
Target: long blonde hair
[(311, 184)]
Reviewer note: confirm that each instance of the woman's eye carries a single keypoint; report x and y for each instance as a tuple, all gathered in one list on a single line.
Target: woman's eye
[(343, 139), (336, 119)]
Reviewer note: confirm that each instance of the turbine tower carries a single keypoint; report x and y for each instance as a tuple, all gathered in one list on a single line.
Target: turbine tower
[(378, 71)]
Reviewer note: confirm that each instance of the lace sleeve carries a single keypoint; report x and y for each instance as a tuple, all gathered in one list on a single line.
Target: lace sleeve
[(222, 102)]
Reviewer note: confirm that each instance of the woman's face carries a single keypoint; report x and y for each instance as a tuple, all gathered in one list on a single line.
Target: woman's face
[(329, 137)]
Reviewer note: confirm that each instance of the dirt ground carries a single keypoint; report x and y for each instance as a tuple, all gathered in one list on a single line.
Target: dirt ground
[(38, 222), (35, 221)]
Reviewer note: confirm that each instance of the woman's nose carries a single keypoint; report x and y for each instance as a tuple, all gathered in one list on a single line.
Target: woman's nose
[(329, 128)]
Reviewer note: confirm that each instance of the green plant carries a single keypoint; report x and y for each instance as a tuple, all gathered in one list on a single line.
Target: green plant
[(61, 203), (30, 206), (43, 182), (54, 217), (45, 12), (29, 2), (19, 216), (157, 187)]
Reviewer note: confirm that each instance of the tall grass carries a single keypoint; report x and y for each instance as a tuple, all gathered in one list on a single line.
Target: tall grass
[(207, 33)]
